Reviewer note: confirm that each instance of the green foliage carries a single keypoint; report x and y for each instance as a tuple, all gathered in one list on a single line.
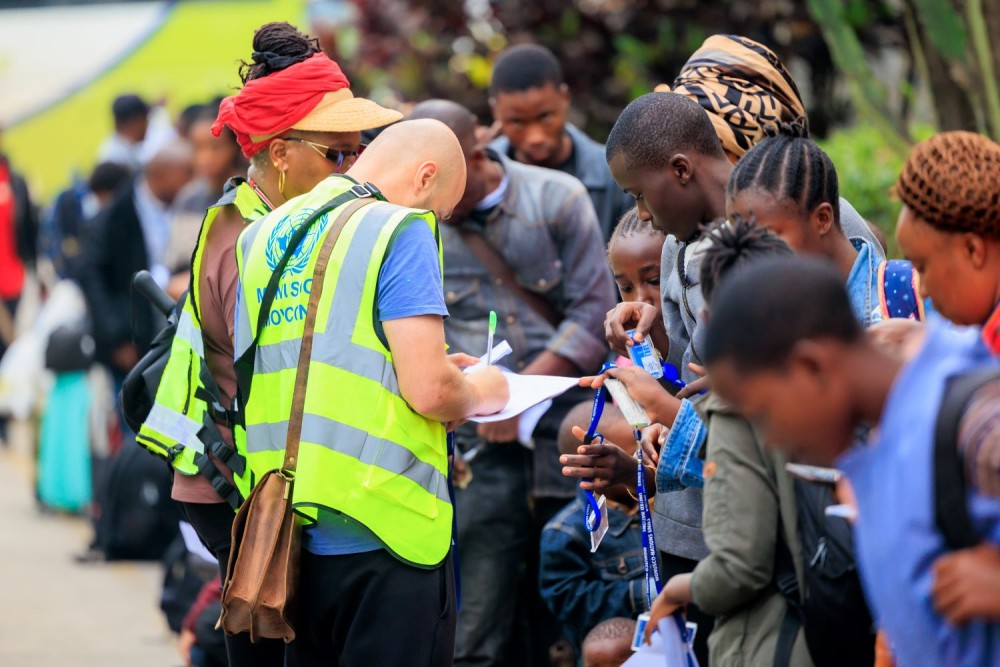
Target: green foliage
[(867, 167), (944, 27)]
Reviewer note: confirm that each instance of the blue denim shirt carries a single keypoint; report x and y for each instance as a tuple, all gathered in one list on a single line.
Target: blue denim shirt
[(862, 284), (897, 540), (582, 588), (589, 164), (546, 230)]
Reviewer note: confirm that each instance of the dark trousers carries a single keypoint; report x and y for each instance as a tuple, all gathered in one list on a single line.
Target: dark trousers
[(214, 524), (367, 609), (494, 538), (672, 565)]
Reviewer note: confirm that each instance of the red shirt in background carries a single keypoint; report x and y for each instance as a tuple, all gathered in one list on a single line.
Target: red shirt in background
[(11, 268)]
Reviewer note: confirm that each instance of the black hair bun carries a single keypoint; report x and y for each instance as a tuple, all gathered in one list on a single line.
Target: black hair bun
[(277, 46), (797, 129)]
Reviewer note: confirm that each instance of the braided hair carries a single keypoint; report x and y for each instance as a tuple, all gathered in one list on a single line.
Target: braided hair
[(734, 245), (631, 224), (789, 166), (276, 46), (952, 181)]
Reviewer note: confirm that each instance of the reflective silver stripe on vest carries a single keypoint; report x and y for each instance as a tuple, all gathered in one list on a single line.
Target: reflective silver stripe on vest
[(333, 346), (353, 442), (245, 330), (174, 425), (190, 334)]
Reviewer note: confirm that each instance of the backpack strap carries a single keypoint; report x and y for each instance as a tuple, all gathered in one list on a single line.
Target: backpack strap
[(899, 291), (951, 511), (787, 582)]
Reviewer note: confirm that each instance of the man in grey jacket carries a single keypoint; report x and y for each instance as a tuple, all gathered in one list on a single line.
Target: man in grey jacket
[(541, 224), (530, 99)]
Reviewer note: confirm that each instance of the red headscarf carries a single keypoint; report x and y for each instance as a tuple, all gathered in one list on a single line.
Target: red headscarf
[(274, 103)]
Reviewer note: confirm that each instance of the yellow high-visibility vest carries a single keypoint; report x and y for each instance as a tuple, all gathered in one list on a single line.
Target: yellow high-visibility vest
[(181, 424), (364, 452)]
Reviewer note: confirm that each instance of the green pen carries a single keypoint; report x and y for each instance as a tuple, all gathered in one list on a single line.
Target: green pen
[(489, 340)]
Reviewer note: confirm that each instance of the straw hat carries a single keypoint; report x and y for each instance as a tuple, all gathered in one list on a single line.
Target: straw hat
[(341, 111)]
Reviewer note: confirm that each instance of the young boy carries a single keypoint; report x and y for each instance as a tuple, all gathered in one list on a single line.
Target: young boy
[(609, 644), (583, 588), (795, 361)]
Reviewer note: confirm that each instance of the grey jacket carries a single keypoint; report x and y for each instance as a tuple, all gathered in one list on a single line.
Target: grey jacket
[(677, 515), (748, 499), (546, 230), (590, 165)]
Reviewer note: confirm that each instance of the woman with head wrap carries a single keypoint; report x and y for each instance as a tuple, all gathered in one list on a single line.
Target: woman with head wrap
[(743, 86), (298, 122)]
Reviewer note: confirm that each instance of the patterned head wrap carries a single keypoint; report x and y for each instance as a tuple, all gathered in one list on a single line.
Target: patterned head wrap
[(744, 88)]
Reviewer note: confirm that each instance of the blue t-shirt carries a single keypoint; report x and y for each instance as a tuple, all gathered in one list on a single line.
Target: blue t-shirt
[(409, 285)]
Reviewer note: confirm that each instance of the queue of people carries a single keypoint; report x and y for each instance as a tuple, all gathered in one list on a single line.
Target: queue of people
[(339, 292)]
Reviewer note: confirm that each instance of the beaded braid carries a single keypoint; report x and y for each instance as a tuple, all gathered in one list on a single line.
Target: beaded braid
[(952, 181), (630, 224), (789, 166)]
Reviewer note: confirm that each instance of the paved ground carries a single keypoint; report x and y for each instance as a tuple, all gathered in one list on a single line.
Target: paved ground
[(55, 612)]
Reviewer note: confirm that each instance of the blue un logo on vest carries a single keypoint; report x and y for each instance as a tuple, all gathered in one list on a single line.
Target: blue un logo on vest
[(281, 235)]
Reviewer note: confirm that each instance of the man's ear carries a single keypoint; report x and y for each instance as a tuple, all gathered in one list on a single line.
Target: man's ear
[(822, 219), (975, 248), (682, 168), (564, 93), (425, 176)]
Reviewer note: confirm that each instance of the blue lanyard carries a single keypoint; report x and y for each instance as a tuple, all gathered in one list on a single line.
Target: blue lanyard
[(650, 564), (592, 512)]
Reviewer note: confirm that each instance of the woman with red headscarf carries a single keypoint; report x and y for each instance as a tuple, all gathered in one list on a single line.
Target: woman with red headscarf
[(298, 122)]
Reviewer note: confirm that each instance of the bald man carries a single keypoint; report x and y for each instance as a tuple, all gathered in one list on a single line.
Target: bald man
[(377, 581), (541, 224)]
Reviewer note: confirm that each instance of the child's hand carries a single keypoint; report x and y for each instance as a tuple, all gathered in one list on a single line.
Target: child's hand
[(644, 318), (652, 441), (675, 594), (605, 464), (967, 584), (703, 383)]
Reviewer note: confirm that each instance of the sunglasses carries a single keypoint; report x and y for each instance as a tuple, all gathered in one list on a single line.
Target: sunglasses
[(329, 152)]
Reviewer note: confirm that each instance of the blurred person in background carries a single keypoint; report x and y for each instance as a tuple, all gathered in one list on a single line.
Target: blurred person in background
[(130, 235), (124, 147), (63, 228), (18, 250), (530, 100), (216, 160)]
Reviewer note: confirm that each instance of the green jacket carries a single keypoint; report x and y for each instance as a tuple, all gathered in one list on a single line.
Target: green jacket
[(746, 494)]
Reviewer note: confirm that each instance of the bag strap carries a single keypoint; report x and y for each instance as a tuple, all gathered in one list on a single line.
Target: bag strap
[(786, 580), (244, 365), (305, 350), (951, 511), (495, 264)]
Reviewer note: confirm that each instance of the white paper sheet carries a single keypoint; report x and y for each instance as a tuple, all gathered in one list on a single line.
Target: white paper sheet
[(526, 391)]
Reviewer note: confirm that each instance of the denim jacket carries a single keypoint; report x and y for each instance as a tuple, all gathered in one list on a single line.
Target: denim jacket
[(590, 165), (546, 230), (582, 588)]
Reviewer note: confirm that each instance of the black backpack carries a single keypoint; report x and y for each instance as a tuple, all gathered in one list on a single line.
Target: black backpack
[(832, 611), (138, 519), (139, 389), (951, 511)]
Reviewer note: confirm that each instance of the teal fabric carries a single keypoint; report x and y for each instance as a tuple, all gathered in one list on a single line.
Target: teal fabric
[(64, 480)]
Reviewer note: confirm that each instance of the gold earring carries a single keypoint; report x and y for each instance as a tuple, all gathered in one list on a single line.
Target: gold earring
[(281, 183)]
